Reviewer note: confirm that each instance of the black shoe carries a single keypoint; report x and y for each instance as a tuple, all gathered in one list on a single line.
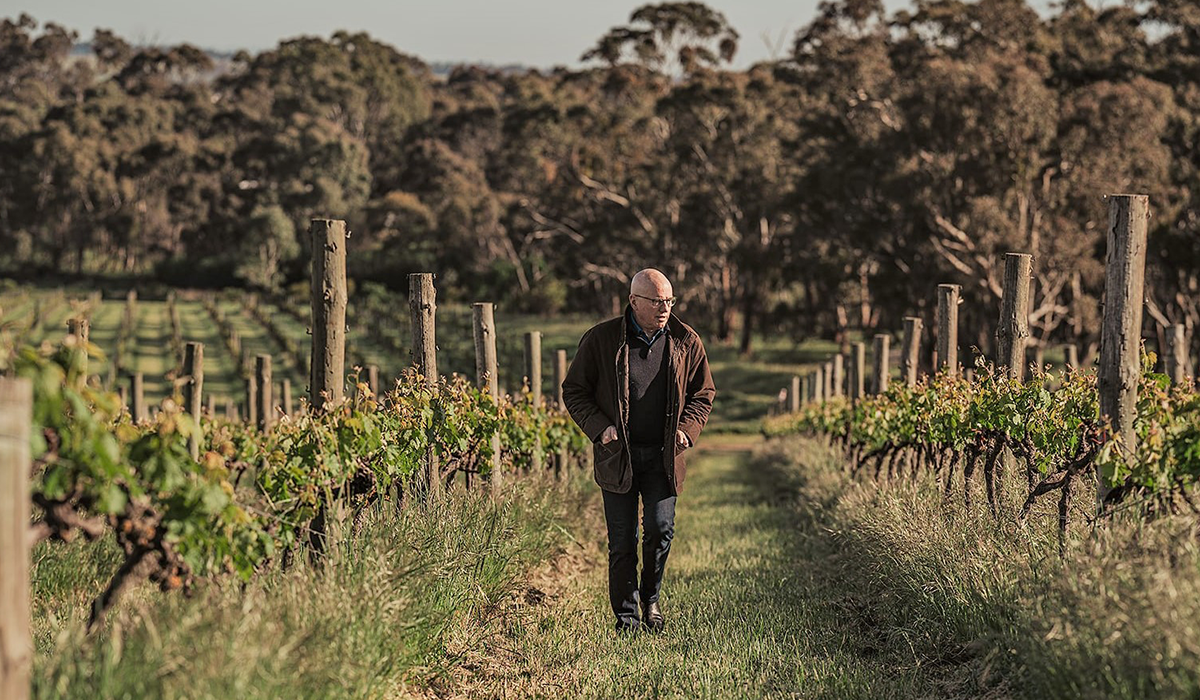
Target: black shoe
[(652, 617), (624, 627)]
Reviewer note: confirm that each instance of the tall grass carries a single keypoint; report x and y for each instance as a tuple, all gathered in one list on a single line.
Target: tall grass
[(372, 622), (1117, 615)]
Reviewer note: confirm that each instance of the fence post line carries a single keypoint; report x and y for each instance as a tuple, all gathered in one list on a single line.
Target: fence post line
[(1176, 355), (827, 376), (422, 303), (193, 370), (880, 365), (262, 378), (838, 382), (533, 382), (137, 397), (1012, 331), (483, 315), (794, 395), (947, 318), (910, 351), (819, 384), (16, 639), (858, 370), (1121, 332), (328, 366)]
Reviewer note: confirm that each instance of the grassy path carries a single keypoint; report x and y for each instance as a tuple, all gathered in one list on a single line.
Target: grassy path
[(752, 608)]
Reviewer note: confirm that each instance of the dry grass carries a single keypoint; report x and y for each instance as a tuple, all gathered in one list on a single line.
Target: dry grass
[(1117, 616)]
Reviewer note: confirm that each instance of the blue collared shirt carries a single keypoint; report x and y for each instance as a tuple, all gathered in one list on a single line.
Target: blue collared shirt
[(641, 333)]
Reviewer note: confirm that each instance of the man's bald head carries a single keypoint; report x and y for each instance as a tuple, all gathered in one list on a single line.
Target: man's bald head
[(645, 288), (651, 283)]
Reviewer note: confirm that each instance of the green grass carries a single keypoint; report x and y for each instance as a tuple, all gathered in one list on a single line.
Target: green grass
[(750, 612), (374, 622)]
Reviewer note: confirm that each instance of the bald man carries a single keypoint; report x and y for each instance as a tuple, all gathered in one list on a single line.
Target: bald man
[(640, 388)]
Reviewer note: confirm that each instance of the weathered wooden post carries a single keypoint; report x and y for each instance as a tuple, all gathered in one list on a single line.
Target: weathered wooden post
[(910, 352), (231, 411), (16, 639), (1121, 333), (1072, 355), (839, 375), (137, 398), (262, 380), (285, 390), (818, 384), (193, 388), (328, 284), (422, 304), (373, 379), (80, 328), (485, 373), (794, 395), (947, 318), (1013, 329), (1176, 359), (828, 375), (210, 405), (251, 391), (560, 373), (533, 382), (880, 367), (858, 370)]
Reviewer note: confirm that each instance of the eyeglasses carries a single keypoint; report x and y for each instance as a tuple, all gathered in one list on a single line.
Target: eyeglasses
[(659, 303)]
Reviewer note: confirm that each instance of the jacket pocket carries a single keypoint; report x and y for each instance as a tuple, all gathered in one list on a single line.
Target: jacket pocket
[(607, 461)]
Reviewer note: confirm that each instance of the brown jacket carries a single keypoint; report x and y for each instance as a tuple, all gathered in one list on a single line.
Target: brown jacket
[(596, 394)]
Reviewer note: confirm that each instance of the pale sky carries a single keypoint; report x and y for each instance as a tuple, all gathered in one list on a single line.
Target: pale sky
[(539, 33)]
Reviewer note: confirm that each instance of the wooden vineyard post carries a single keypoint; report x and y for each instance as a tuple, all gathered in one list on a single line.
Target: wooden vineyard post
[(137, 398), (193, 388), (285, 390), (81, 329), (373, 379), (16, 639), (947, 318), (910, 351), (263, 386), (1072, 356), (251, 391), (839, 375), (818, 384), (533, 382), (828, 376), (880, 366), (483, 315), (1176, 355), (858, 361), (794, 395), (422, 304), (327, 381), (1013, 329), (1121, 332), (560, 373)]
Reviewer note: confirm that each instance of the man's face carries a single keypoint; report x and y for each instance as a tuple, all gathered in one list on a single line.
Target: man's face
[(648, 309)]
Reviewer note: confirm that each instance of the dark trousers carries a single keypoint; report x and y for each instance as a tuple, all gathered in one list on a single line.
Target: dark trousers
[(620, 513)]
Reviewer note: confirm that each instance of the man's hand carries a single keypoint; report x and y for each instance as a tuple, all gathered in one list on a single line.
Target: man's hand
[(609, 434), (682, 438)]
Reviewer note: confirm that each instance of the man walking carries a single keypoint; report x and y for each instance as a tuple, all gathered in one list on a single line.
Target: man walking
[(641, 390)]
